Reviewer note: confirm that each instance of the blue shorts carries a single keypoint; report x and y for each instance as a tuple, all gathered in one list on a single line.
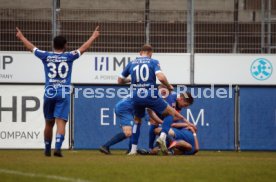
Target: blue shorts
[(124, 112), (56, 107), (158, 105), (187, 136)]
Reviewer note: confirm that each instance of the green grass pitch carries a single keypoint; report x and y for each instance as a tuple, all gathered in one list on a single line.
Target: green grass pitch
[(84, 166)]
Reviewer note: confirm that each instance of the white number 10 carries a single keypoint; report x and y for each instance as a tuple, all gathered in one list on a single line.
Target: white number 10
[(139, 72)]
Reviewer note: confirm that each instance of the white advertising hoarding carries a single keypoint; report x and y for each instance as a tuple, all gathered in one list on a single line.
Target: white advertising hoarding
[(244, 69), (21, 118), (24, 67)]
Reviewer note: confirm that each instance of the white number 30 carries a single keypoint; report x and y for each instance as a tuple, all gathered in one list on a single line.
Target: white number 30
[(54, 71)]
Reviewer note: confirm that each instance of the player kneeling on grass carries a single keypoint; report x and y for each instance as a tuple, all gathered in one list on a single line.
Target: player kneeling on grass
[(58, 68)]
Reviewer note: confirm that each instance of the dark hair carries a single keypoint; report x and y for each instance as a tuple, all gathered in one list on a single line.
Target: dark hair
[(187, 96), (59, 42), (146, 48)]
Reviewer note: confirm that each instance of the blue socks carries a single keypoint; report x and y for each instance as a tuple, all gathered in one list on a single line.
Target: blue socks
[(59, 141), (48, 144), (135, 133), (151, 136), (116, 139), (168, 120)]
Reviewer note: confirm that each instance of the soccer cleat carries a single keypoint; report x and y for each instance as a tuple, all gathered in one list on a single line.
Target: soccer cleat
[(57, 153), (104, 150), (173, 144), (162, 144), (142, 152), (47, 153)]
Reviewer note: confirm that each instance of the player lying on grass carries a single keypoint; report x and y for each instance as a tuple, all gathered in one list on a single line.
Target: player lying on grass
[(185, 140), (143, 71), (58, 68)]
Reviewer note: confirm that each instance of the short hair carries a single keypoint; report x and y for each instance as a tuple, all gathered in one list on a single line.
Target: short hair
[(59, 42), (146, 48), (187, 96)]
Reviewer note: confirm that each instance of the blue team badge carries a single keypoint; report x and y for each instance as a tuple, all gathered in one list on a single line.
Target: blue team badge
[(261, 69)]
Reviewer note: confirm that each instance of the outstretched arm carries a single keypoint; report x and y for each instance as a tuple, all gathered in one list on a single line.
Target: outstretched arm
[(163, 79), (195, 138), (185, 123), (24, 40), (153, 116), (89, 42)]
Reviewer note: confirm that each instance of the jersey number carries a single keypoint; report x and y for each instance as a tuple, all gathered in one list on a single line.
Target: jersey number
[(54, 70), (142, 72)]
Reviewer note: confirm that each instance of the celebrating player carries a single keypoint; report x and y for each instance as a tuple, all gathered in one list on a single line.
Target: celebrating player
[(185, 140), (177, 101), (58, 69), (124, 113), (143, 71)]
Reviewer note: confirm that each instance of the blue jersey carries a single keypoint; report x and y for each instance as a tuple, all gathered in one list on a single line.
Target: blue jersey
[(142, 71), (172, 101), (57, 67), (187, 136)]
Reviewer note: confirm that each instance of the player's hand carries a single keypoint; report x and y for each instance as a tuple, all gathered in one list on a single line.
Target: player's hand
[(191, 129), (19, 34), (96, 33), (193, 126)]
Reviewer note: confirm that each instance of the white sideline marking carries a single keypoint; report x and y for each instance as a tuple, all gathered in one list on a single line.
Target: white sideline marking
[(36, 175)]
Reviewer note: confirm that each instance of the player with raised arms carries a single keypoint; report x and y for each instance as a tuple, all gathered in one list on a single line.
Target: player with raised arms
[(143, 71), (58, 70)]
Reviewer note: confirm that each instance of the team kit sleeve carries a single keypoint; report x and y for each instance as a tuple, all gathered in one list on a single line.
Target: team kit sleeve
[(73, 55), (156, 66), (126, 71), (40, 54)]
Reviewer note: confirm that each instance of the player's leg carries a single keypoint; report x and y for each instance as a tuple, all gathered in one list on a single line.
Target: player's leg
[(48, 135), (168, 115), (125, 118), (152, 136), (167, 121), (162, 108), (48, 111), (61, 114), (61, 124), (135, 136), (127, 132), (139, 112)]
